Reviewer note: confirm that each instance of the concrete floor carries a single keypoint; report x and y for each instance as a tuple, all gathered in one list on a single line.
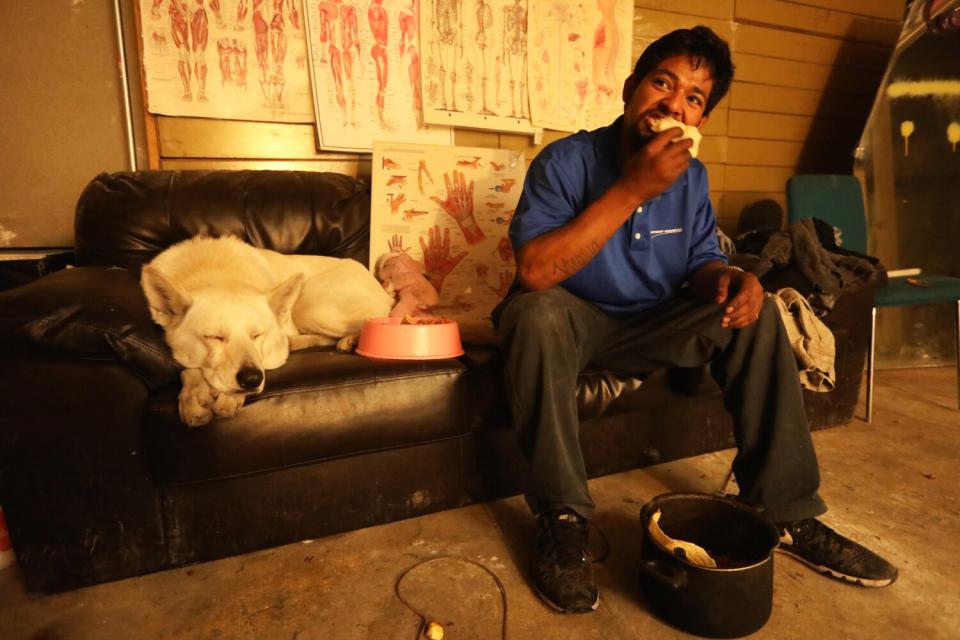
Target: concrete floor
[(892, 484)]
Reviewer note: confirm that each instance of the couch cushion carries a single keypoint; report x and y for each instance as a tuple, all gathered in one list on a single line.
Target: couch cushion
[(88, 312), (320, 405)]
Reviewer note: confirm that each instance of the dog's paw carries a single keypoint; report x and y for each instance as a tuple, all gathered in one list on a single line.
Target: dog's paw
[(227, 404), (348, 343), (192, 412), (196, 399)]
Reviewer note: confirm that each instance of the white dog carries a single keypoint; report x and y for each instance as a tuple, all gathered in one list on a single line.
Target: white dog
[(231, 311)]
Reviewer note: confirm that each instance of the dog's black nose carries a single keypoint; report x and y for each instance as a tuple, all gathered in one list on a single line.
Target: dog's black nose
[(249, 378)]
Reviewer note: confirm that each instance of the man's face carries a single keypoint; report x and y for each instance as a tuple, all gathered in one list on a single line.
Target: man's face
[(673, 88)]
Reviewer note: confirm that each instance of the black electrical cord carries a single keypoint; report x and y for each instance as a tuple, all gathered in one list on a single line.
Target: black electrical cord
[(424, 623)]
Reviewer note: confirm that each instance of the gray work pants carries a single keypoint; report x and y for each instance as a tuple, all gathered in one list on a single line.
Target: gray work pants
[(548, 337)]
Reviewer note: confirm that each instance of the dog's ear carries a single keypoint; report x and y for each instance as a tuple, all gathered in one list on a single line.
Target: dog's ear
[(283, 297), (168, 303)]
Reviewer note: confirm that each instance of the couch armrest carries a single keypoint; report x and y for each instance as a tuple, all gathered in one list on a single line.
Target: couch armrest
[(89, 312)]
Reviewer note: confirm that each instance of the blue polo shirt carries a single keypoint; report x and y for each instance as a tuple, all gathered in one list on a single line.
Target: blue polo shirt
[(652, 255)]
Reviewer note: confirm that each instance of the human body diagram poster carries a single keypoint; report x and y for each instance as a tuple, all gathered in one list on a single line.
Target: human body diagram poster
[(232, 59), (579, 55), (366, 73), (449, 208), (475, 64)]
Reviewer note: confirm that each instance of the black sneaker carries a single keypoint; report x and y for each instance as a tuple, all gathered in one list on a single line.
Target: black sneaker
[(562, 572), (823, 549)]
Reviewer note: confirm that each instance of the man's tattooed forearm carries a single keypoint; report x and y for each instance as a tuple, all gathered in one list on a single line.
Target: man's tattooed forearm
[(569, 266)]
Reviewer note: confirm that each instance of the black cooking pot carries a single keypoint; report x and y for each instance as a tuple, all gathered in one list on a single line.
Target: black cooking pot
[(732, 600)]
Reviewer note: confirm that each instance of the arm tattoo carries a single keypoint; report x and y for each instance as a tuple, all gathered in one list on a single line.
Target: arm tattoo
[(569, 266)]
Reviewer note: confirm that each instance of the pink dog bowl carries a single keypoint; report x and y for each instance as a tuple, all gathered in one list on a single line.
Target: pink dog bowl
[(391, 339)]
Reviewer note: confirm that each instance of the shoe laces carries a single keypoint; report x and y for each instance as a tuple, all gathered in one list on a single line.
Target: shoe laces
[(564, 536), (816, 536)]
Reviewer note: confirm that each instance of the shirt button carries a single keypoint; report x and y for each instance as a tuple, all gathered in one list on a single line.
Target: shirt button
[(637, 236), (640, 209)]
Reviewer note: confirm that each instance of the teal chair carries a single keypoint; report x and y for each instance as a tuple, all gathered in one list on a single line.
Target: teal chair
[(837, 199)]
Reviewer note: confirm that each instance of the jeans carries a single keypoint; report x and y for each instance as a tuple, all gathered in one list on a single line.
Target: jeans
[(548, 337)]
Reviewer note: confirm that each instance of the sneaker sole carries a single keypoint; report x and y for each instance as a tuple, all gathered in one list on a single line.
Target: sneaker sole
[(557, 607), (827, 571)]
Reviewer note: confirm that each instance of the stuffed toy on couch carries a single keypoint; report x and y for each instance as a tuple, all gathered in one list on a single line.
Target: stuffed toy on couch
[(403, 276)]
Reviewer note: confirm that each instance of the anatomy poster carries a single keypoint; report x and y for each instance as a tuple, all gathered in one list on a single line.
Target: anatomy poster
[(474, 70), (449, 208), (579, 57), (233, 59), (366, 61)]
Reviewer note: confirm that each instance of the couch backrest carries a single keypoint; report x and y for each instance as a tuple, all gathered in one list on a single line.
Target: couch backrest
[(124, 219)]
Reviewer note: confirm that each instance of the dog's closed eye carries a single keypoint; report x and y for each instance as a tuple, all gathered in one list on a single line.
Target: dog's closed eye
[(256, 336), (214, 338)]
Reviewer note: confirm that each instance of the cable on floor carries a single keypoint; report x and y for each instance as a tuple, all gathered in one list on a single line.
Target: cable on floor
[(424, 623)]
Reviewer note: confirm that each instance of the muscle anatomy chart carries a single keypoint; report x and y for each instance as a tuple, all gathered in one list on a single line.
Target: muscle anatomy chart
[(449, 208), (366, 73), (474, 63), (234, 59), (579, 56)]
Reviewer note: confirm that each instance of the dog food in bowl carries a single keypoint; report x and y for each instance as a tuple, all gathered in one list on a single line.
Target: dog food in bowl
[(410, 338)]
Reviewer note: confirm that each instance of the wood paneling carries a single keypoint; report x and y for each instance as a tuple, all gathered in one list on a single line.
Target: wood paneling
[(756, 178), (777, 153), (648, 25), (805, 75), (799, 17), (747, 96), (888, 9), (772, 126), (788, 45), (719, 9), (207, 138)]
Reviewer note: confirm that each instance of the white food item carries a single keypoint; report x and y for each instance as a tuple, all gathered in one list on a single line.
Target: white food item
[(688, 132)]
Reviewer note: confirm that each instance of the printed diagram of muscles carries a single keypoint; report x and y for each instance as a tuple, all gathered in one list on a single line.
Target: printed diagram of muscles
[(189, 31), (409, 21), (178, 35), (565, 60), (366, 70), (379, 22), (270, 39), (340, 37)]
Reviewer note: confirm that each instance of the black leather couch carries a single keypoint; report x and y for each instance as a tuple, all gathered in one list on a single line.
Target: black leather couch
[(100, 480)]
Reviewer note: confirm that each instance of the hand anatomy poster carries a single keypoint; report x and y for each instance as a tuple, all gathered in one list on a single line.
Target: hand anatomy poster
[(366, 73), (233, 59), (474, 72), (449, 208), (579, 57)]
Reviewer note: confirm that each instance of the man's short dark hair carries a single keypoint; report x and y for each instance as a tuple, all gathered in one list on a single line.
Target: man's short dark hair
[(703, 46)]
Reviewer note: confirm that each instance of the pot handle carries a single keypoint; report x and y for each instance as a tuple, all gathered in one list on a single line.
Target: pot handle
[(673, 577)]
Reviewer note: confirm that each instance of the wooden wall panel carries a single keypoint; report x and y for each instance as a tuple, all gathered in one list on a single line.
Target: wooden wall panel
[(804, 75), (748, 96), (774, 126), (206, 138), (719, 9), (800, 17), (777, 43), (888, 9)]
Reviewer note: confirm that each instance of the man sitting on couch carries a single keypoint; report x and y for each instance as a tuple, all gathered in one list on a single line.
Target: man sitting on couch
[(618, 267)]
